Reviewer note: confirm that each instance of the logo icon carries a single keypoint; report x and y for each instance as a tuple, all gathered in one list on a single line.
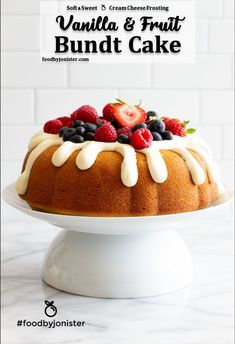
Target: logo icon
[(50, 309), (103, 7)]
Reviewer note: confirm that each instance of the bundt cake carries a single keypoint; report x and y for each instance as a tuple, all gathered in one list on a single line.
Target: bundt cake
[(127, 163)]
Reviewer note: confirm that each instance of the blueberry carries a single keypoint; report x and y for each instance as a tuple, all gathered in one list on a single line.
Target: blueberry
[(156, 136), (90, 127), (90, 136), (62, 130), (99, 124), (167, 135), (68, 133), (78, 123), (123, 138), (151, 114), (140, 126), (157, 125), (77, 139), (81, 131)]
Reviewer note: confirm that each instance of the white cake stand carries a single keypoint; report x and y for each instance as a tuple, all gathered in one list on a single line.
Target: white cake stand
[(118, 257)]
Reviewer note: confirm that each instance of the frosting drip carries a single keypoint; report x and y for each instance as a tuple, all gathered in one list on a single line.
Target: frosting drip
[(129, 172), (22, 182), (89, 151)]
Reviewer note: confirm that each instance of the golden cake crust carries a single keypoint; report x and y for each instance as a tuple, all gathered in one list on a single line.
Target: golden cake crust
[(99, 191)]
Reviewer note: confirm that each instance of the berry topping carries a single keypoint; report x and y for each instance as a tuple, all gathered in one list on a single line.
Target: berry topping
[(139, 126), (102, 120), (157, 125), (141, 138), (106, 133), (151, 115), (52, 127), (90, 136), (108, 112), (123, 139), (120, 122), (62, 130), (167, 135), (78, 123), (115, 124), (125, 131), (90, 127), (68, 134), (77, 139), (156, 136), (177, 127), (164, 118), (81, 131), (65, 120), (86, 113), (128, 115)]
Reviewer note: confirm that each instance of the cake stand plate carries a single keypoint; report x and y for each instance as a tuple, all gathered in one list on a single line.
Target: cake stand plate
[(119, 257)]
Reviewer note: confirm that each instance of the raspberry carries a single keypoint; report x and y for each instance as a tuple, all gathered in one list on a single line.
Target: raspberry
[(125, 131), (164, 119), (141, 138), (66, 121), (108, 112), (53, 127), (106, 133), (175, 127), (103, 121), (86, 113)]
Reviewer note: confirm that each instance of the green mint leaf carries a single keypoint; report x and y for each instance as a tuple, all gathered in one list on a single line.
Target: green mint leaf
[(190, 131), (184, 123)]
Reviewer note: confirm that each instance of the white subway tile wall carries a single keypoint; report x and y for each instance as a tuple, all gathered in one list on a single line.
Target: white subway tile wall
[(34, 91), (21, 33), (221, 32), (201, 26)]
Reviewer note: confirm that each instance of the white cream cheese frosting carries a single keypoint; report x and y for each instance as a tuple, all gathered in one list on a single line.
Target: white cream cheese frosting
[(89, 151)]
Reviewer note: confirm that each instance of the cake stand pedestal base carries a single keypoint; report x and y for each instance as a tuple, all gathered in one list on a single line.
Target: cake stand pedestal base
[(118, 266), (120, 257)]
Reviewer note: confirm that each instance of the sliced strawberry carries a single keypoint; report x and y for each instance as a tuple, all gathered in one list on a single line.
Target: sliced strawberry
[(128, 115)]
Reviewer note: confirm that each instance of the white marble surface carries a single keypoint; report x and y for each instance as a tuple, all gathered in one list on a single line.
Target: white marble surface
[(199, 314)]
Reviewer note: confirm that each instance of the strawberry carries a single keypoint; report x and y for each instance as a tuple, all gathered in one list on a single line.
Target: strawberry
[(108, 112), (141, 138), (128, 115), (85, 113), (176, 127), (106, 133), (53, 126), (164, 119), (125, 131)]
